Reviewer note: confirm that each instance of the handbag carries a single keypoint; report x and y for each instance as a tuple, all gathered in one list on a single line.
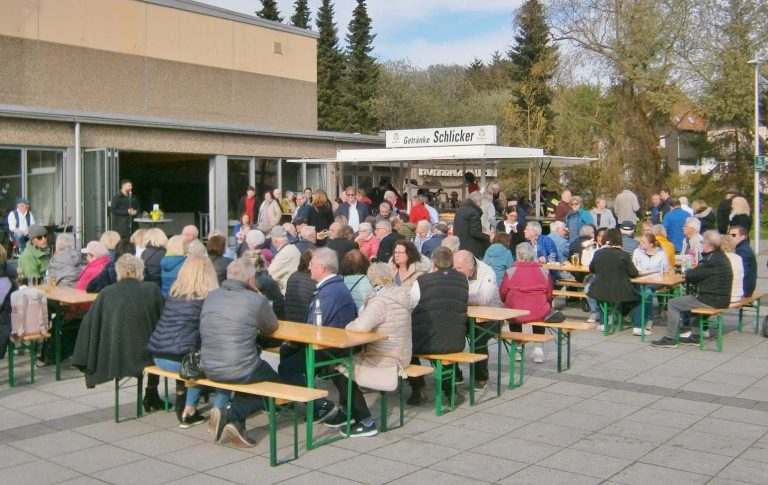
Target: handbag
[(554, 316), (191, 366)]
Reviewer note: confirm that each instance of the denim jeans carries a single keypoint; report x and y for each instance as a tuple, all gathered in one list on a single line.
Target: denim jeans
[(243, 405), (193, 393), (637, 310), (293, 365)]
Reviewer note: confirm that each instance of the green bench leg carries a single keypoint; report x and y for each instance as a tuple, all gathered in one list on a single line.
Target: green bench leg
[(757, 316), (384, 414), (11, 370), (440, 374), (11, 348), (513, 350), (139, 397), (272, 412)]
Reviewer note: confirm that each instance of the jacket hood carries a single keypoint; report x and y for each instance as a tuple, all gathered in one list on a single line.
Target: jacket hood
[(70, 257), (495, 250), (394, 294), (169, 263)]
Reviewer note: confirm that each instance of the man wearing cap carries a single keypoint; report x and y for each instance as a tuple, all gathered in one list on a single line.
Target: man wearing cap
[(124, 208), (34, 260), (628, 241), (247, 203), (19, 221), (724, 211)]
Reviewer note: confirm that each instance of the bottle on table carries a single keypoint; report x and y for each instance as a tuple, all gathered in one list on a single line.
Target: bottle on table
[(318, 314)]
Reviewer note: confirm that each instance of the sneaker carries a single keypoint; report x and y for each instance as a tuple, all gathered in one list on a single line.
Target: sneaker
[(692, 339), (238, 436), (325, 410), (538, 355), (518, 357), (648, 324), (593, 317), (337, 421), (665, 342), (216, 423), (637, 331), (191, 420), (481, 385), (601, 328), (360, 430), (689, 333)]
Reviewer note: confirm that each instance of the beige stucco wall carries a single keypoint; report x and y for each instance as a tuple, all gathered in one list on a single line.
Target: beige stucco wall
[(130, 57)]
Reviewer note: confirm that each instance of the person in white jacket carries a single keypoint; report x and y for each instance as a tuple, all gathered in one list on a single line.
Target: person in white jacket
[(286, 261), (647, 258)]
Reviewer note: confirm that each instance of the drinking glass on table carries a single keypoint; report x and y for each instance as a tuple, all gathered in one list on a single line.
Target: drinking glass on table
[(575, 259)]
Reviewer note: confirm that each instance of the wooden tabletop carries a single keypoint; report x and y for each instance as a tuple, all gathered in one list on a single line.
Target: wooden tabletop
[(68, 296), (329, 337), (488, 313), (567, 267), (665, 279)]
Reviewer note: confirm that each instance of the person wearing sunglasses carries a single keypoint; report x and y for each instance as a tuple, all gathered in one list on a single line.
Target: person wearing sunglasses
[(354, 210), (35, 258), (577, 218)]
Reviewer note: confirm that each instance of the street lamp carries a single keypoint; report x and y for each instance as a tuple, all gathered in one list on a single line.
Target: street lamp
[(756, 221)]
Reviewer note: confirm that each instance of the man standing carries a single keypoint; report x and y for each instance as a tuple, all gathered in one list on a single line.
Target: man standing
[(655, 209), (712, 280), (439, 320), (740, 237), (724, 211), (562, 207), (468, 227), (577, 218), (231, 319), (673, 222), (34, 260), (626, 205), (286, 261), (19, 221), (354, 210), (124, 206), (666, 202)]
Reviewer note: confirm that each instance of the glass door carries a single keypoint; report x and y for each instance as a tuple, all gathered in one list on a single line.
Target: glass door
[(100, 174)]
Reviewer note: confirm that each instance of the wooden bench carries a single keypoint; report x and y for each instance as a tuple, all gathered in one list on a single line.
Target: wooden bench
[(276, 394), (569, 294), (562, 331), (569, 282), (27, 342), (412, 370), (438, 362), (514, 343), (714, 316)]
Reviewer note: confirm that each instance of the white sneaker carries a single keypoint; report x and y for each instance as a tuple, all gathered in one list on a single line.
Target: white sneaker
[(517, 357), (538, 355), (638, 331), (600, 328), (592, 318), (688, 334), (648, 324), (706, 333)]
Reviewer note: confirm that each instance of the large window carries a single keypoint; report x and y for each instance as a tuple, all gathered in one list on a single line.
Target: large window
[(36, 174)]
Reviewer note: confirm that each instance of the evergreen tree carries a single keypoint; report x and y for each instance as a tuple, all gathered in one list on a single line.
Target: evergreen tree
[(269, 11), (300, 16), (361, 73), (330, 67), (533, 63)]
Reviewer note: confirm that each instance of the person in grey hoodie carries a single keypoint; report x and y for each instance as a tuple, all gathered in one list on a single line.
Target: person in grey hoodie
[(66, 262)]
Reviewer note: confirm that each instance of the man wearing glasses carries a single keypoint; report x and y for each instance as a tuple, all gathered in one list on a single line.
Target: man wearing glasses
[(577, 218), (354, 210), (739, 235), (34, 260)]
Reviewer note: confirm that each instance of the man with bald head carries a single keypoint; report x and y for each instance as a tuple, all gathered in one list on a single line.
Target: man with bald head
[(189, 234)]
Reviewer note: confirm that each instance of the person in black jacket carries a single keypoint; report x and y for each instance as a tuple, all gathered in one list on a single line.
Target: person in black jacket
[(343, 242), (724, 211), (320, 213), (108, 275), (713, 280), (613, 269), (124, 207), (299, 290), (152, 255), (468, 227), (439, 320), (178, 331), (388, 239), (743, 249), (217, 246)]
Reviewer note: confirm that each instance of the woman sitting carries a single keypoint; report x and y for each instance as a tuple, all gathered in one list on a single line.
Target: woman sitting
[(527, 286), (217, 246), (264, 282), (299, 290), (405, 261), (139, 240), (66, 262), (648, 258), (354, 269), (7, 286), (97, 256), (613, 269), (108, 275), (178, 332), (499, 255), (241, 229), (153, 253), (366, 241), (175, 254), (387, 311), (110, 239)]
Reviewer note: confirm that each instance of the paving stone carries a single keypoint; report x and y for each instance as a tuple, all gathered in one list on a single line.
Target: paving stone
[(148, 471), (31, 431), (25, 398), (10, 457), (311, 478), (455, 437), (432, 476), (415, 452), (204, 456), (687, 460), (573, 389), (517, 449), (585, 463), (746, 471), (643, 474), (109, 431), (712, 443), (685, 406), (95, 459), (479, 466), (756, 393), (641, 431), (12, 419), (523, 410), (55, 444), (756, 452), (156, 443), (370, 469), (575, 419), (731, 428), (550, 434), (489, 423), (56, 409), (661, 380), (631, 398), (40, 472), (716, 388), (538, 475), (82, 480), (616, 446), (661, 417)]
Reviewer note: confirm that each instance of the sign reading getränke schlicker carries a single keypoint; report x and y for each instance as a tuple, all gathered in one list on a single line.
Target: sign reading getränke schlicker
[(439, 137)]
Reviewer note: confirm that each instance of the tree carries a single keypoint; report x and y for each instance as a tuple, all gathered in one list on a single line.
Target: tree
[(300, 17), (330, 67), (533, 63), (269, 11), (361, 72)]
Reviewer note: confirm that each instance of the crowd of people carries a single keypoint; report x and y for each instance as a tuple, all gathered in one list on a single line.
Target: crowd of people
[(369, 266)]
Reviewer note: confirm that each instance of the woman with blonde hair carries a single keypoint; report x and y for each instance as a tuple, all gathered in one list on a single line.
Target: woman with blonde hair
[(154, 251), (171, 263), (139, 240), (178, 331), (601, 215), (740, 213), (110, 240)]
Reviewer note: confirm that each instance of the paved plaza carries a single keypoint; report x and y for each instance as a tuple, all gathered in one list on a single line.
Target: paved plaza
[(625, 413)]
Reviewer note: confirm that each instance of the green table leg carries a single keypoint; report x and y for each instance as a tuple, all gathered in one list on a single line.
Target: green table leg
[(312, 365), (472, 347), (310, 407), (273, 433)]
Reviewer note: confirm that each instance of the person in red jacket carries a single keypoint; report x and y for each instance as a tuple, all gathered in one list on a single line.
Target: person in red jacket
[(418, 211), (527, 286)]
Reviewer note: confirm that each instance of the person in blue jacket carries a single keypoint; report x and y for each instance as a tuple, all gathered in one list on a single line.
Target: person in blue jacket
[(545, 247), (577, 218), (673, 222)]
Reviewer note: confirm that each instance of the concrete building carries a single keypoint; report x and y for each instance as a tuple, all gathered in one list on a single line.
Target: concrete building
[(191, 102)]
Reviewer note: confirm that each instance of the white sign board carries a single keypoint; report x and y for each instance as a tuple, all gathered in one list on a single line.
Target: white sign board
[(440, 137)]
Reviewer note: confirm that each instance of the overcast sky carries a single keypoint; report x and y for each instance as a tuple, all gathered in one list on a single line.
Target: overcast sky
[(423, 31)]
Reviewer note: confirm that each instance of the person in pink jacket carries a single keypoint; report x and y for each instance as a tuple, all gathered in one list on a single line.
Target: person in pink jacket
[(98, 257), (369, 244)]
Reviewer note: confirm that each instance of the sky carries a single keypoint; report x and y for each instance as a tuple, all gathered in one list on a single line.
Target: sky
[(424, 32)]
